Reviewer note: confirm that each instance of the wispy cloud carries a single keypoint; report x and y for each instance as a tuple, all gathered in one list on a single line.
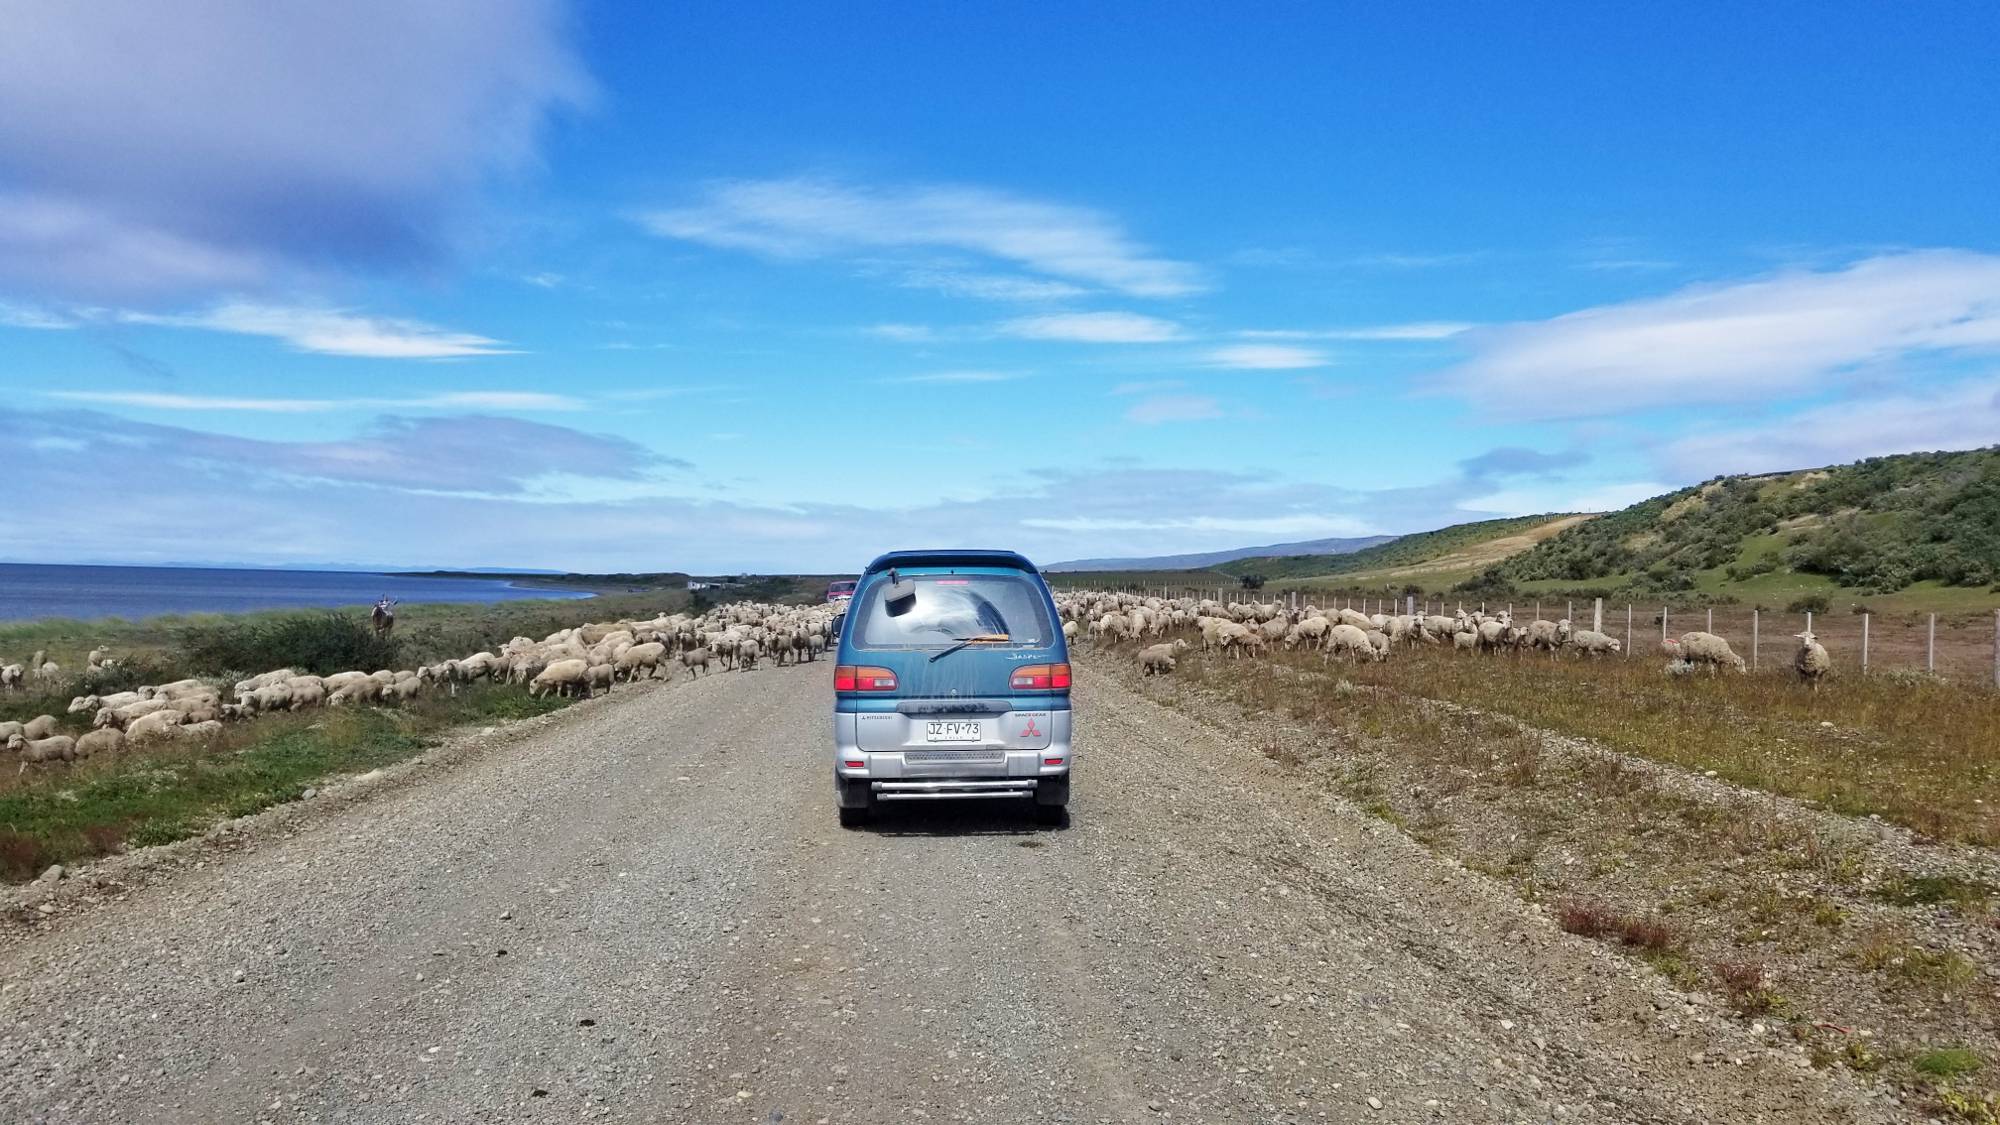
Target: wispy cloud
[(254, 158), (332, 331), (1421, 330), (811, 217), (29, 316), (1147, 386), (1514, 461), (1264, 357), (1738, 342), (902, 333), (956, 377), (1960, 416), (1173, 408), (510, 401), (991, 287), (1094, 328)]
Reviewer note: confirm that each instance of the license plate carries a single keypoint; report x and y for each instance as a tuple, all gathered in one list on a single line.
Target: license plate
[(954, 730)]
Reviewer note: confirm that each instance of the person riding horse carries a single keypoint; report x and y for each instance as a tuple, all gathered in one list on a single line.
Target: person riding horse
[(384, 617)]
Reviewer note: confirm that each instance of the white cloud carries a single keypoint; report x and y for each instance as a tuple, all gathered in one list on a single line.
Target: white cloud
[(1731, 343), (1094, 328), (333, 332), (955, 377), (1533, 501), (902, 333), (992, 287), (807, 218), (1173, 408), (160, 146), (1963, 416), (1296, 525), (29, 316), (1265, 357), (1420, 330), (510, 401)]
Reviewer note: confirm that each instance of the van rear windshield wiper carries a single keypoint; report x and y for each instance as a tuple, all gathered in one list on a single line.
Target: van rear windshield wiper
[(976, 639)]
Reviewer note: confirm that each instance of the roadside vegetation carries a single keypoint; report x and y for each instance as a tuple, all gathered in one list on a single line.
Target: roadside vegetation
[(1595, 790), (155, 796)]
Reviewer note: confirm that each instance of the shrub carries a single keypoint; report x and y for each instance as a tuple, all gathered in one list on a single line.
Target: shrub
[(320, 643), (1948, 1062), (1810, 603)]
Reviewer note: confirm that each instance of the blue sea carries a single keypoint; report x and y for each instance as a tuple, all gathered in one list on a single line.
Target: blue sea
[(29, 592)]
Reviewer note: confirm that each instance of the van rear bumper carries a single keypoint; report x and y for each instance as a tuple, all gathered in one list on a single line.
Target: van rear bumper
[(941, 773)]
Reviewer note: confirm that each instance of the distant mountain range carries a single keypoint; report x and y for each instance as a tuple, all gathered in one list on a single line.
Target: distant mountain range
[(1217, 558)]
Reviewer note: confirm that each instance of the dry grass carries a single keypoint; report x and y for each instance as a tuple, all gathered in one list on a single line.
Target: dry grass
[(1924, 754)]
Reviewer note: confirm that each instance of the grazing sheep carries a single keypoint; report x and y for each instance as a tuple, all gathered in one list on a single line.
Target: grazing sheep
[(41, 726), (49, 672), (1811, 661), (1157, 659), (1495, 634), (402, 691), (565, 677), (11, 676), (204, 730), (9, 729), (56, 748), (1590, 642), (600, 676), (363, 690), (1379, 641), (1705, 648), (1550, 635), (100, 742), (1350, 639), (695, 660), (339, 680), (1465, 642), (647, 657), (307, 691), (156, 724), (747, 654)]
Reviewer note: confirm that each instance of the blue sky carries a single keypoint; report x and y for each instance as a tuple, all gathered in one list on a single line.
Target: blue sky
[(774, 287)]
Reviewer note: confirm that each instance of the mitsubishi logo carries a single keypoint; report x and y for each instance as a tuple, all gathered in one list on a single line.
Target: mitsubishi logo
[(1029, 731)]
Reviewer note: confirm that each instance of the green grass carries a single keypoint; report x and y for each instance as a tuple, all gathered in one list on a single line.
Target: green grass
[(156, 796), (1403, 551), (1948, 1062)]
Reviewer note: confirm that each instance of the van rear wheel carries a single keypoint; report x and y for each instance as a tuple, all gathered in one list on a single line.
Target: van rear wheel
[(1052, 801)]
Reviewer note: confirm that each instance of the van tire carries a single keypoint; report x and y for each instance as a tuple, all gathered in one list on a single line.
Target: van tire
[(854, 818), (1052, 801)]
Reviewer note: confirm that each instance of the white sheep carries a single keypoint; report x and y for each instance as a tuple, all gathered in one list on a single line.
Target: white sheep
[(11, 676), (100, 742), (1811, 661), (695, 660), (647, 657), (565, 677), (155, 724), (1350, 639), (55, 748), (1159, 659), (1590, 642), (1704, 648)]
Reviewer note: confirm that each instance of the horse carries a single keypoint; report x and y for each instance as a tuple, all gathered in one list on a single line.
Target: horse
[(383, 618)]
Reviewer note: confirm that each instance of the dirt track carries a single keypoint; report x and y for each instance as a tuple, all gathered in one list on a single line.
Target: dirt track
[(642, 910)]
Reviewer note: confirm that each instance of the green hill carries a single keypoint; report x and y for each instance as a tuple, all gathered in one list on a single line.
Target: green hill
[(1874, 527), (1456, 551)]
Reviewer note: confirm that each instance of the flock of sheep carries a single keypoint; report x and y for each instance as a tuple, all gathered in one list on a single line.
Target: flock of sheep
[(571, 662), (1253, 627)]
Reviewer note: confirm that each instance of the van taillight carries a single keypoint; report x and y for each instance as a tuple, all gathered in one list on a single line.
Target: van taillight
[(849, 677), (1041, 677)]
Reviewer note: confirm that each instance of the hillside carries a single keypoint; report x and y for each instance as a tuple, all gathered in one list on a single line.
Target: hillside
[(1454, 552), (1207, 559), (1872, 527)]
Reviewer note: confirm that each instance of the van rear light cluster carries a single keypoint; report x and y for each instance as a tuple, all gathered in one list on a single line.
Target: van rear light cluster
[(1041, 677), (852, 677)]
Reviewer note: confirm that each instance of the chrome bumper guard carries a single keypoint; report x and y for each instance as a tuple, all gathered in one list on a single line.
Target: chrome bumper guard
[(944, 789)]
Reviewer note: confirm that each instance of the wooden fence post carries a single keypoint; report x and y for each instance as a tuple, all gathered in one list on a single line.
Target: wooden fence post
[(1930, 648), (1663, 625), (1711, 620), (1628, 630), (1864, 643), (1755, 614), (1597, 616)]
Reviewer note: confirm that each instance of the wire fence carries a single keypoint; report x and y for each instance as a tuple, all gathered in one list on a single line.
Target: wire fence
[(1956, 645)]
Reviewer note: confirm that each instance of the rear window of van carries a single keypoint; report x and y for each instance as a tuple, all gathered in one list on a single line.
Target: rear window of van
[(948, 608)]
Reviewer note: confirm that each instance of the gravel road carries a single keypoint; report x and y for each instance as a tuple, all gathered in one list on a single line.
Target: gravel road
[(641, 909)]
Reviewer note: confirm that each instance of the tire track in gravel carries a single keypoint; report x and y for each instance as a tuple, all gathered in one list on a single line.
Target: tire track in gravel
[(690, 937)]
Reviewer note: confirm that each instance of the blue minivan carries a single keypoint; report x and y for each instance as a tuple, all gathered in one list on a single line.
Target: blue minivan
[(951, 681)]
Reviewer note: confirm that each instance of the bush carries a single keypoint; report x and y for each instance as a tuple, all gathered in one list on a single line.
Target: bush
[(1252, 581), (319, 643), (1810, 603)]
